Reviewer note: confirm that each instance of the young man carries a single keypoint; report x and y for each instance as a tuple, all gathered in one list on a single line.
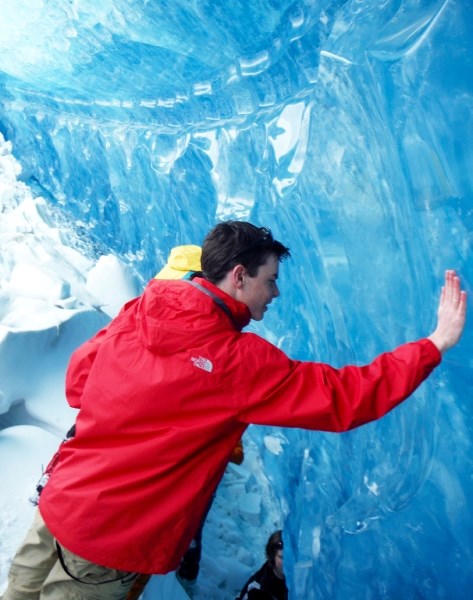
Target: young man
[(165, 392), (269, 582)]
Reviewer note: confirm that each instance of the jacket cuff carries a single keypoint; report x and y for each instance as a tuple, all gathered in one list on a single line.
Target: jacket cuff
[(433, 353)]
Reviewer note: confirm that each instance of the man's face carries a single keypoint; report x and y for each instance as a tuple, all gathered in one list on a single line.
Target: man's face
[(278, 565), (257, 292)]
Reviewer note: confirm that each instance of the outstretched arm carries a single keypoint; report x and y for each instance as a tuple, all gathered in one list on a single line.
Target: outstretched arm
[(451, 314)]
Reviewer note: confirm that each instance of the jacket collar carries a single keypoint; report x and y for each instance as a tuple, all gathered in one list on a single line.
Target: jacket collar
[(240, 313)]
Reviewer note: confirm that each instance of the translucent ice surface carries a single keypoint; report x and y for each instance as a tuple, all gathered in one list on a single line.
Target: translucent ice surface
[(345, 126)]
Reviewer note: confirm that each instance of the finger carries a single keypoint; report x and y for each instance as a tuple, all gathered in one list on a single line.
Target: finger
[(462, 305), (448, 275), (449, 284), (442, 296), (446, 288), (456, 289)]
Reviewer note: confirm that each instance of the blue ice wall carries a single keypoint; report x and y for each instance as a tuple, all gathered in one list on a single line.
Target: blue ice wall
[(346, 127)]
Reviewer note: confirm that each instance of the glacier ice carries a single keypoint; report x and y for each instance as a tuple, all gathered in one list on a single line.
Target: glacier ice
[(346, 127)]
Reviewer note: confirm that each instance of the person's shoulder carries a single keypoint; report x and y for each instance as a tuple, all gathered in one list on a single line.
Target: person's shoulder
[(262, 348), (260, 573), (272, 585), (266, 572), (255, 577), (256, 340)]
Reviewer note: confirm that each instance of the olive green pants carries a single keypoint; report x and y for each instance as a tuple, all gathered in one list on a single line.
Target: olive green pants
[(36, 572)]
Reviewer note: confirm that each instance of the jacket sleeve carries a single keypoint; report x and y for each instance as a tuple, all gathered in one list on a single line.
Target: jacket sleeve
[(286, 393)]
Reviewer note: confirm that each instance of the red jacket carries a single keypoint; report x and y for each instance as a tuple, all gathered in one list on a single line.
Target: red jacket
[(165, 393)]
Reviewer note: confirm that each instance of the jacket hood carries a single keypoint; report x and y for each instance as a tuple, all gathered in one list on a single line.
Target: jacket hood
[(173, 314)]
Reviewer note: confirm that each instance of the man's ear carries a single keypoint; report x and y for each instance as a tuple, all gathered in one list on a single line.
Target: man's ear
[(238, 276)]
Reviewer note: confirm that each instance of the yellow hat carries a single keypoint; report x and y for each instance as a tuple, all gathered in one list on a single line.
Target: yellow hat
[(182, 259)]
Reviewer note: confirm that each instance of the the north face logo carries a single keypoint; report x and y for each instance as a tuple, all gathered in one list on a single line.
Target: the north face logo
[(202, 363)]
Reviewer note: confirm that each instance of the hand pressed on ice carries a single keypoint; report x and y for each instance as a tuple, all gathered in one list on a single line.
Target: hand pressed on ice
[(451, 313)]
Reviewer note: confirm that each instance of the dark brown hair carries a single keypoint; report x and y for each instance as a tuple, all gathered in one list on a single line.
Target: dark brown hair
[(237, 242), (274, 544)]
